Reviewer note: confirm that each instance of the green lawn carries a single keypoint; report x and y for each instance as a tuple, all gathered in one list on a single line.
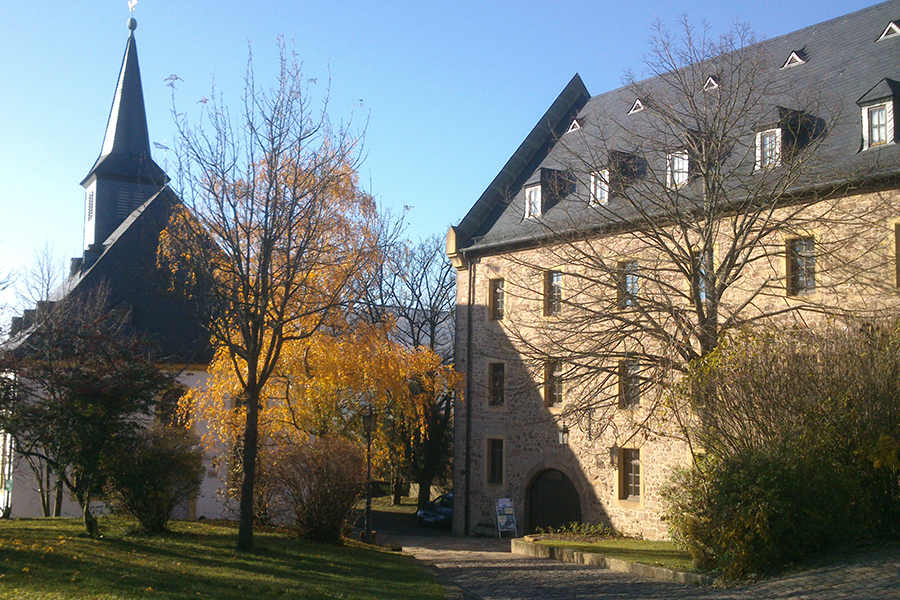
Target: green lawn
[(663, 554), (50, 559)]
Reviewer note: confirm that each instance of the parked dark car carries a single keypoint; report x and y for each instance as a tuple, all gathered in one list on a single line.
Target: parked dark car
[(438, 512)]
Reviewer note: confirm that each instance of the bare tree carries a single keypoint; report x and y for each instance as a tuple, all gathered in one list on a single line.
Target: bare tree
[(696, 197), (277, 229), (414, 287), (33, 287), (39, 280)]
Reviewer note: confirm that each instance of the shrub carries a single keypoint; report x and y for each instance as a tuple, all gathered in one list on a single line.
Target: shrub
[(320, 481), (580, 529), (161, 471), (757, 512), (799, 433)]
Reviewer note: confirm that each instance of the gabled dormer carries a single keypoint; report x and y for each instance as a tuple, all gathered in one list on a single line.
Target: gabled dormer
[(575, 126), (545, 189), (891, 31), (878, 107), (795, 59), (125, 175)]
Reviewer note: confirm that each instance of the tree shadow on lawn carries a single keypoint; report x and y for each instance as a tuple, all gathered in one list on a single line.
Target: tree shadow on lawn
[(193, 563)]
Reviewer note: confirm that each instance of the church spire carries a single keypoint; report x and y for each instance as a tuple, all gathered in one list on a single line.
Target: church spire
[(126, 146), (125, 175)]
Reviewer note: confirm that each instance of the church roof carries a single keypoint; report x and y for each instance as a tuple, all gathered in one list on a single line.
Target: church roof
[(126, 146), (127, 266), (124, 262)]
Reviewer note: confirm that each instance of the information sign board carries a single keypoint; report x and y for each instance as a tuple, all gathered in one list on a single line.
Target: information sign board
[(506, 517)]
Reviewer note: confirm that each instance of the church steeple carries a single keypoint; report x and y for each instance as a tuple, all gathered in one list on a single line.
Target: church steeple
[(125, 175)]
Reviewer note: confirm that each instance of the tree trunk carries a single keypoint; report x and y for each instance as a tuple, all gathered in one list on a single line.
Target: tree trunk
[(424, 491), (248, 478), (396, 490), (58, 500), (90, 521), (44, 491)]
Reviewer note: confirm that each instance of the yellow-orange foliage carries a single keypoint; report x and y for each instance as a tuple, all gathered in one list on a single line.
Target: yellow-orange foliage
[(322, 383)]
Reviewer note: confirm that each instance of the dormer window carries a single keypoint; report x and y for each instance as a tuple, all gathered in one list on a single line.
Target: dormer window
[(677, 169), (798, 57), (600, 187), (892, 30), (768, 148), (712, 83), (877, 125), (551, 187), (877, 107), (575, 126), (637, 107), (533, 201)]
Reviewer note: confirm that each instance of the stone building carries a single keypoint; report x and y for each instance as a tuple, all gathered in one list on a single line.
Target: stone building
[(758, 183)]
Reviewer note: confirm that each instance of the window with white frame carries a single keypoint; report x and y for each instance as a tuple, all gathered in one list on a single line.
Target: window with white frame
[(629, 474), (801, 265), (553, 384), (552, 293), (627, 283), (677, 169), (768, 148), (878, 124), (533, 201), (600, 187)]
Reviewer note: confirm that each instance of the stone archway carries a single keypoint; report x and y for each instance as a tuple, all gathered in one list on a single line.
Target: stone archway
[(553, 500)]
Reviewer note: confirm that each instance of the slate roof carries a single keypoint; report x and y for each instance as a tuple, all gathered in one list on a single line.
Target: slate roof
[(126, 145), (127, 265), (844, 62), (125, 262)]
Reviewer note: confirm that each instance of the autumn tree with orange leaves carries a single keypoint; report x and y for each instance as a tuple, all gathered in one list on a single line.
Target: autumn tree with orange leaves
[(274, 233), (321, 386)]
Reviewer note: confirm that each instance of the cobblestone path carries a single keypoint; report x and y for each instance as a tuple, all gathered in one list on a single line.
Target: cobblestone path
[(485, 569)]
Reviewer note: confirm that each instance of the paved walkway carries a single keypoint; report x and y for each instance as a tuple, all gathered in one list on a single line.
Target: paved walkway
[(484, 569)]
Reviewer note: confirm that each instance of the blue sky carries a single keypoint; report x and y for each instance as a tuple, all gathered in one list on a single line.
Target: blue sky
[(448, 89)]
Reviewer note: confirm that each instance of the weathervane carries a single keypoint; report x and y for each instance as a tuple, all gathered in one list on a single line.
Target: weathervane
[(132, 24)]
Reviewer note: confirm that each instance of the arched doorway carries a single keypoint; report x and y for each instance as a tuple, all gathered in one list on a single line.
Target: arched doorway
[(552, 501)]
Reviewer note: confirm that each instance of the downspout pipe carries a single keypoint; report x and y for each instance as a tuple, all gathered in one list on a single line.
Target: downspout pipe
[(470, 302)]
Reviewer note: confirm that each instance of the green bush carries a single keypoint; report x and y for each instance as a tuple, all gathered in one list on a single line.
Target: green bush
[(162, 470), (758, 512), (320, 481), (799, 432), (580, 529)]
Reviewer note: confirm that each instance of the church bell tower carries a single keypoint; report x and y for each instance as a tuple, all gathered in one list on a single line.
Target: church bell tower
[(125, 175)]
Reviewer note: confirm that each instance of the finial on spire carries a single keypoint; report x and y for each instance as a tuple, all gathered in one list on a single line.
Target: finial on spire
[(132, 24)]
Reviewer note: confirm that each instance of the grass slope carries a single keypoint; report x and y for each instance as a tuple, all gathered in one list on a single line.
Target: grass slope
[(50, 559)]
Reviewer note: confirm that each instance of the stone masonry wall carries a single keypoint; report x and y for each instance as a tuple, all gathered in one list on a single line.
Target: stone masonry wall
[(856, 271)]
